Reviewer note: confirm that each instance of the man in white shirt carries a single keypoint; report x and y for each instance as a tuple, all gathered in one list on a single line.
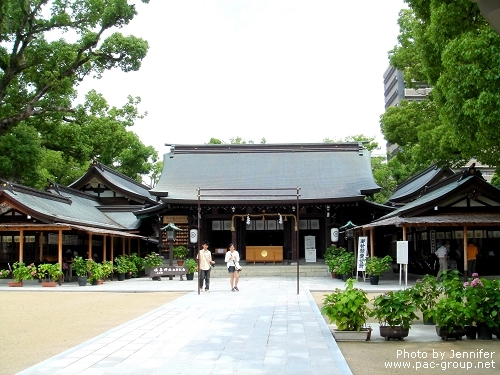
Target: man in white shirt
[(442, 254), (206, 262)]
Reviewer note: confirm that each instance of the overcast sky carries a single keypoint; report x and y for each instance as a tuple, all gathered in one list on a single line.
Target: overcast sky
[(288, 71)]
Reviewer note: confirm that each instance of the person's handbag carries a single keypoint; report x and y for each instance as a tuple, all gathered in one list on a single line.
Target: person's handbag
[(237, 266)]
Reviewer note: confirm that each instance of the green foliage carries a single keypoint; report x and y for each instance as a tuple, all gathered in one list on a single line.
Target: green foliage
[(383, 176), (451, 47), (368, 141), (331, 259), (81, 266), (348, 308), (49, 271), (425, 295), (106, 268), (191, 265), (4, 274), (344, 263), (40, 125), (395, 309), (95, 272), (122, 264), (451, 311), (138, 261), (21, 271), (375, 266), (180, 252), (153, 260), (482, 301)]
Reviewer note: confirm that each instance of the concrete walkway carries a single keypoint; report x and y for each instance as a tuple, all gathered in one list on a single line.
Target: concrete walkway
[(266, 328)]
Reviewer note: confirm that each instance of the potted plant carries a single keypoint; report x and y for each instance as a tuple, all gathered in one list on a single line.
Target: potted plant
[(331, 255), (375, 266), (81, 267), (138, 262), (395, 312), (345, 263), (180, 252), (348, 309), (95, 273), (191, 265), (482, 303), (425, 296), (4, 274), (22, 272), (107, 269), (450, 314), (49, 273), (121, 267)]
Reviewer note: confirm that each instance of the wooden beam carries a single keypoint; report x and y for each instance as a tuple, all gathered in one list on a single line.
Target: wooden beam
[(21, 245), (89, 248)]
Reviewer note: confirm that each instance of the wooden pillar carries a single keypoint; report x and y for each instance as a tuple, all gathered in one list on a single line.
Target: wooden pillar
[(466, 271), (129, 245), (40, 246), (21, 245), (59, 248), (372, 242), (404, 233), (112, 249), (123, 245), (104, 246), (89, 250)]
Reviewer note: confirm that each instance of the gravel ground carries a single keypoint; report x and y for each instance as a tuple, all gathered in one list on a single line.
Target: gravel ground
[(38, 325)]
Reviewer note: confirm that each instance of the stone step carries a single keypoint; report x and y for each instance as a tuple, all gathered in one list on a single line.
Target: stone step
[(269, 270)]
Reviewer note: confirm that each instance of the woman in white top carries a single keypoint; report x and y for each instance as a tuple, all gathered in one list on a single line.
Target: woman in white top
[(232, 259)]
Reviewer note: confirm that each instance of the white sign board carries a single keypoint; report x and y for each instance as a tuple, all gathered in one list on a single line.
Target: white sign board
[(310, 242), (362, 253), (402, 252)]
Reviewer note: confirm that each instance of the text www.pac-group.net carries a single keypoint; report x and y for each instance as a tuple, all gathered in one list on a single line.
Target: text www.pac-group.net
[(467, 360)]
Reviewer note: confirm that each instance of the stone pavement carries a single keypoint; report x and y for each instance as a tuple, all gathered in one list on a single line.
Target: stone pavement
[(266, 328)]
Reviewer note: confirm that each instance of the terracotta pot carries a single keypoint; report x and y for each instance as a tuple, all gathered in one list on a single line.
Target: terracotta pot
[(49, 283), (14, 283), (180, 262)]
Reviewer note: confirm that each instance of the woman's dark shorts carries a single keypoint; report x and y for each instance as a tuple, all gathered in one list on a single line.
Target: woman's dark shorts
[(230, 269)]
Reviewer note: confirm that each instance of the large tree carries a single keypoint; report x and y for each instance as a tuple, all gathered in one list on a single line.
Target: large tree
[(46, 48), (449, 45)]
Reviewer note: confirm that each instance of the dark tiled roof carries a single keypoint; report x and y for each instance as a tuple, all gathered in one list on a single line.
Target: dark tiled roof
[(116, 181), (411, 188), (325, 171), (65, 206), (445, 192)]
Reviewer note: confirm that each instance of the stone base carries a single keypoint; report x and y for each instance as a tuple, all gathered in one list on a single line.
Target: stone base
[(363, 335)]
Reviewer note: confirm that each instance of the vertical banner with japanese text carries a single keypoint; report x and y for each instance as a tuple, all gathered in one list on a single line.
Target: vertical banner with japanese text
[(362, 253)]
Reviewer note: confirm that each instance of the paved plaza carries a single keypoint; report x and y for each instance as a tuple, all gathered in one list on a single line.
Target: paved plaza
[(266, 328)]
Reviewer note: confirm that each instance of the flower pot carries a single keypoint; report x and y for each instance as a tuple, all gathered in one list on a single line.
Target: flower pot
[(128, 275), (190, 276), (82, 280), (180, 262), (363, 335), (49, 283), (15, 283), (339, 276), (334, 276), (121, 277), (456, 333), (374, 280), (484, 332), (394, 332), (345, 276), (471, 332)]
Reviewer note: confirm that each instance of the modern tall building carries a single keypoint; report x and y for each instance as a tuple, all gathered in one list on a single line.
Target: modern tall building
[(395, 91)]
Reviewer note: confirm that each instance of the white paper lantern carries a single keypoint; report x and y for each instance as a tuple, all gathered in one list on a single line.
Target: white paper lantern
[(335, 234)]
